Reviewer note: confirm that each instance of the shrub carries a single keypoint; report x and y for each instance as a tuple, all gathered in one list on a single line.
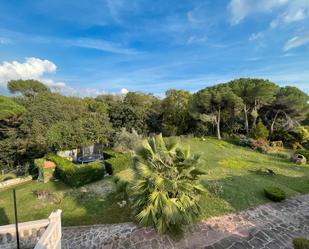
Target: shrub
[(259, 145), (274, 193), (116, 161), (300, 243), (260, 131), (166, 190), (76, 175), (126, 141)]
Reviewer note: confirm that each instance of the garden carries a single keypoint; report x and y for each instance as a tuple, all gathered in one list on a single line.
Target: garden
[(167, 162), (235, 180)]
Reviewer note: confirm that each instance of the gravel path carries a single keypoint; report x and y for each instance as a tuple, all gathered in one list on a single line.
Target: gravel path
[(268, 226)]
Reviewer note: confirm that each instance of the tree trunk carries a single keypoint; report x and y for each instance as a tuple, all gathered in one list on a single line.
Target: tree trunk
[(256, 116), (273, 123), (246, 119), (218, 124)]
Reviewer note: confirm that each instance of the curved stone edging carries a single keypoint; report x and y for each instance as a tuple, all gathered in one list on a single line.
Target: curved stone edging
[(272, 225)]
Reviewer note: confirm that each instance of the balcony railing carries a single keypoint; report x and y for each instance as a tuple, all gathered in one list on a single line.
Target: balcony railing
[(39, 234)]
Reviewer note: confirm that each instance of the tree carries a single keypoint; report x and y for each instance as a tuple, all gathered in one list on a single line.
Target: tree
[(175, 112), (10, 121), (28, 88), (255, 94), (290, 107), (213, 103), (260, 131), (165, 191), (133, 112)]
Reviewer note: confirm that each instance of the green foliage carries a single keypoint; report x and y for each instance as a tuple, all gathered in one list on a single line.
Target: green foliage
[(28, 88), (213, 104), (9, 108), (133, 112), (126, 141), (76, 175), (165, 191), (300, 243), (274, 193), (175, 112), (260, 131), (117, 161), (255, 94)]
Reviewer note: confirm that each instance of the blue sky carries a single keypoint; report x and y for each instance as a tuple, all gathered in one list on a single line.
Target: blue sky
[(88, 47)]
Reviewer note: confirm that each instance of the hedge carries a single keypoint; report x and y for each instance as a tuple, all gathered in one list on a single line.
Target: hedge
[(116, 161), (45, 174), (76, 175), (274, 193)]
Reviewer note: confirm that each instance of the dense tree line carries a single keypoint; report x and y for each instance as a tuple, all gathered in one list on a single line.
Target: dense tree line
[(38, 121)]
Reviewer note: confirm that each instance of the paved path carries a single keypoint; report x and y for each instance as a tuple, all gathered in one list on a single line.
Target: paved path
[(268, 226)]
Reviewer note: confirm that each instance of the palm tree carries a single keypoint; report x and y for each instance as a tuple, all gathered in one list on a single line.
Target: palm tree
[(165, 192)]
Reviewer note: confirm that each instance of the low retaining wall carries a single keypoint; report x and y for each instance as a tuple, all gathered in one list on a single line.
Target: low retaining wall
[(15, 181), (38, 234)]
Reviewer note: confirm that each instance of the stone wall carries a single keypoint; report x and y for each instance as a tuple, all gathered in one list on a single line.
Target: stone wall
[(12, 182)]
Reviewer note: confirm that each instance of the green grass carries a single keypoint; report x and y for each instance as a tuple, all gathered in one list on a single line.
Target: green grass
[(231, 180), (77, 210)]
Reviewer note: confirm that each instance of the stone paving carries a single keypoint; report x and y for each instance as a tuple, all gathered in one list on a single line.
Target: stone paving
[(269, 226)]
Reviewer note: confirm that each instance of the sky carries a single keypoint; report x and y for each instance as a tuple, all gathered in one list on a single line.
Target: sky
[(91, 47)]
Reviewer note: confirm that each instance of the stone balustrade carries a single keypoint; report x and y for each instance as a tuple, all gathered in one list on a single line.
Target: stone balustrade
[(38, 234)]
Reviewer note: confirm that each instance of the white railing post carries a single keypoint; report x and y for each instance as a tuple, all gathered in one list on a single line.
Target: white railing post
[(55, 218)]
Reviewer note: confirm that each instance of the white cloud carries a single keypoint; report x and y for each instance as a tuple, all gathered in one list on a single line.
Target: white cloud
[(256, 36), (197, 39), (102, 45), (124, 91), (289, 10), (240, 9), (294, 13), (32, 68), (296, 42)]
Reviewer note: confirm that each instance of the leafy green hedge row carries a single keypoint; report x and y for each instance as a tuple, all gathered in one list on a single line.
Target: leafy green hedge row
[(117, 161), (76, 175)]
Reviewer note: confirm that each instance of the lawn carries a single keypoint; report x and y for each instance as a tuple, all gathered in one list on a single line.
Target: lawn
[(232, 182)]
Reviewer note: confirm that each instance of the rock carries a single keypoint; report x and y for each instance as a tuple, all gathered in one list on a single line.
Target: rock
[(299, 159)]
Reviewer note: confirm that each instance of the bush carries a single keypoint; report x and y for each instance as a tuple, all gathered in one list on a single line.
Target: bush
[(274, 193), (116, 161), (301, 243), (126, 141), (260, 145), (76, 175), (260, 131)]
